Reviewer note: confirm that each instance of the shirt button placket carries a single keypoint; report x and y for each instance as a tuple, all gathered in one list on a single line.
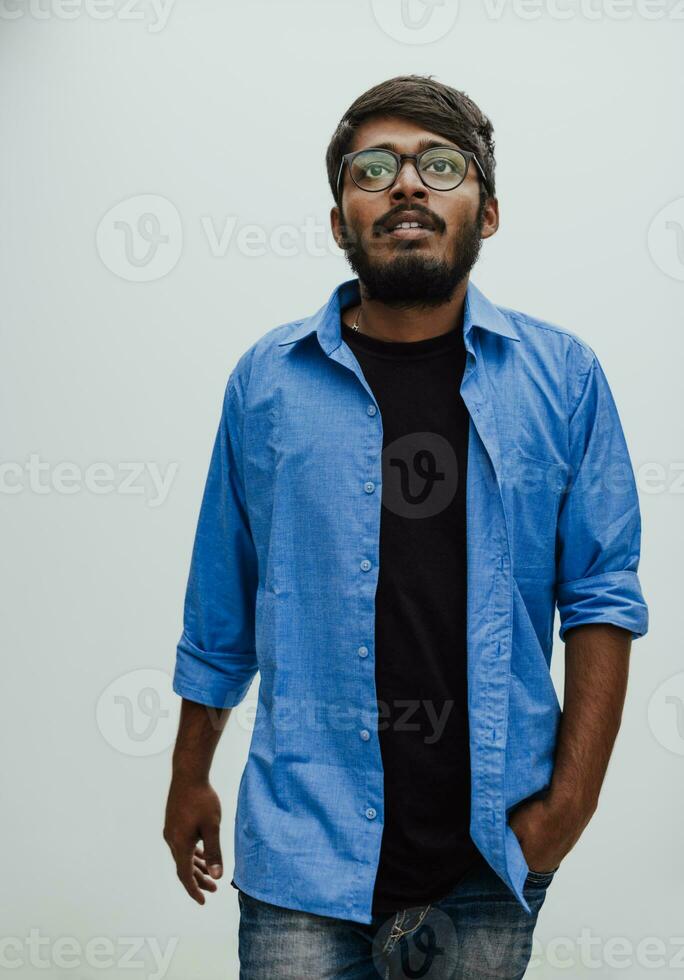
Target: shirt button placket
[(366, 565)]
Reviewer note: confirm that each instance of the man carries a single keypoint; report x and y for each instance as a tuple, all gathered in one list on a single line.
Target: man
[(403, 488)]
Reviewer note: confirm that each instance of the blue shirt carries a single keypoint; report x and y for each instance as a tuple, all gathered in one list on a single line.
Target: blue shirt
[(285, 566)]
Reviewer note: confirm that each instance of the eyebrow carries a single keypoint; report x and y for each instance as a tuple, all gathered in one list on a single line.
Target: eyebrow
[(424, 144)]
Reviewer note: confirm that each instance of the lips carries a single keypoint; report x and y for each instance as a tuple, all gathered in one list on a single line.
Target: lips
[(411, 218)]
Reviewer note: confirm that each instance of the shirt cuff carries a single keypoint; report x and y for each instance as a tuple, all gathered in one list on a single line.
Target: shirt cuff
[(614, 597), (219, 680)]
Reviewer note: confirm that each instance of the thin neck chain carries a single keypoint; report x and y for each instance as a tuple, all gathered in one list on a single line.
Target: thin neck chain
[(355, 324)]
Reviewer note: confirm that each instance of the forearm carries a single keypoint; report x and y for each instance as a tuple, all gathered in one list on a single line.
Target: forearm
[(199, 732), (596, 673)]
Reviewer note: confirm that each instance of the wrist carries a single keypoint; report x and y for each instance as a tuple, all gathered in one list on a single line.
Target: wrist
[(189, 772)]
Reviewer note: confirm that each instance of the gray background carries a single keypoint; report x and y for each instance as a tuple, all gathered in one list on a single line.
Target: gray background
[(205, 113)]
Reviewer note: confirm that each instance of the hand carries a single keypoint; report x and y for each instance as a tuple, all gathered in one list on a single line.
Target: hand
[(546, 832), (193, 813)]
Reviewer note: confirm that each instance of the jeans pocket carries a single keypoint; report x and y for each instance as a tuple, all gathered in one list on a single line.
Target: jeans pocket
[(541, 877)]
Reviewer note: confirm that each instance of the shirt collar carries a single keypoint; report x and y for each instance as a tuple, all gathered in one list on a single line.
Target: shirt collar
[(478, 312)]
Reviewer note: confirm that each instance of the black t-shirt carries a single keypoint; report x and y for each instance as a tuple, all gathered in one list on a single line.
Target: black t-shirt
[(420, 616)]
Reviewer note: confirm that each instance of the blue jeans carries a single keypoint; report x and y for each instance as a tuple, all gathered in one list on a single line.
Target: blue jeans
[(478, 932)]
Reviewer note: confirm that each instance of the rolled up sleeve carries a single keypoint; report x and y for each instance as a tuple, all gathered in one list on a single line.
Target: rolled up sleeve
[(599, 523), (215, 658)]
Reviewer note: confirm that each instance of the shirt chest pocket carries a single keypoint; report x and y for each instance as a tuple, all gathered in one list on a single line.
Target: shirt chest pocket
[(259, 457), (533, 490)]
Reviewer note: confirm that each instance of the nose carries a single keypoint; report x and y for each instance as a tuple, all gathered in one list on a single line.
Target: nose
[(408, 183)]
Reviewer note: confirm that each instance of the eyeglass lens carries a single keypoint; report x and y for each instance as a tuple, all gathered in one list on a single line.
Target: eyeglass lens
[(441, 168)]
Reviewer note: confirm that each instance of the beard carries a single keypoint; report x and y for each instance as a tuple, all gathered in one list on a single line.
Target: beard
[(411, 277)]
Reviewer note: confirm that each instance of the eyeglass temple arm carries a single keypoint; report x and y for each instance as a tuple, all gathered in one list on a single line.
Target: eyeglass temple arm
[(339, 175), (482, 173)]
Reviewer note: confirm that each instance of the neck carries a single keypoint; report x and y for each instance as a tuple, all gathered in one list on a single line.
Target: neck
[(416, 323)]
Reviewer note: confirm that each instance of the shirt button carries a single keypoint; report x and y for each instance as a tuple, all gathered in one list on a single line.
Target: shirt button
[(365, 734), (363, 651), (369, 487), (371, 813), (371, 409), (365, 565)]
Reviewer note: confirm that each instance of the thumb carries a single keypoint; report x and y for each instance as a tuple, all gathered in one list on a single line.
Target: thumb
[(212, 851)]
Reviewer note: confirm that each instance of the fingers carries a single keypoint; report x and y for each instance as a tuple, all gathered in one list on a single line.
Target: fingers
[(204, 881), (201, 871), (194, 871), (186, 871), (212, 851), (191, 869)]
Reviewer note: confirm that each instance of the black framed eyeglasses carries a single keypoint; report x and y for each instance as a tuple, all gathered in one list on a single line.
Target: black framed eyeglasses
[(442, 168)]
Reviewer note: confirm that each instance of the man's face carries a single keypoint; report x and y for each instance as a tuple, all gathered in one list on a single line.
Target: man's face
[(410, 268)]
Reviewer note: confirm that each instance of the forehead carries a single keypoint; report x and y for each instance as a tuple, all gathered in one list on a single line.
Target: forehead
[(395, 133)]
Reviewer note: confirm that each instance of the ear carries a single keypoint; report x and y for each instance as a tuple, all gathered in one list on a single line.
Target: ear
[(490, 218), (335, 223)]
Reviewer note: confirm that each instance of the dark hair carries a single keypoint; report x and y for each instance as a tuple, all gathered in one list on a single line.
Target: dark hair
[(439, 108)]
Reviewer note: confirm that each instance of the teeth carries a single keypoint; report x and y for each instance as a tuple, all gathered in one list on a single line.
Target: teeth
[(408, 224)]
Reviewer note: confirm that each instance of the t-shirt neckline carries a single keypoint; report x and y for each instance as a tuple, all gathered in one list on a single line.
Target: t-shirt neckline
[(428, 346)]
